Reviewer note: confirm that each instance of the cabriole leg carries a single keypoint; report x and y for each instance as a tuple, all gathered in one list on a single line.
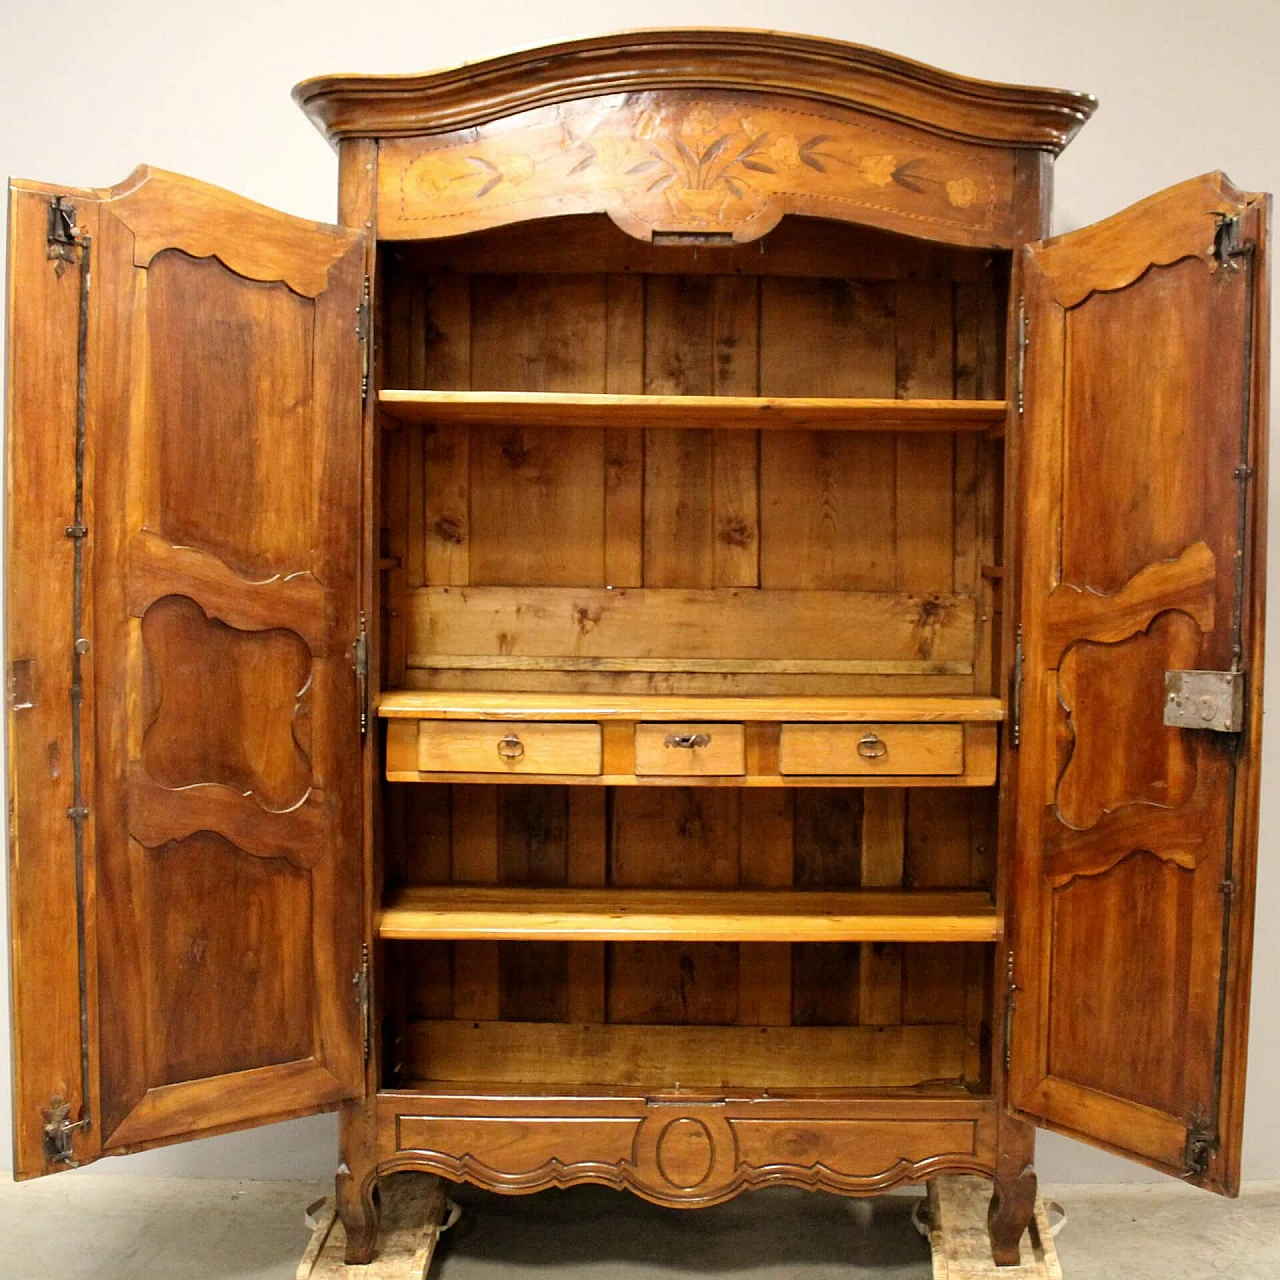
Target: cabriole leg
[(1013, 1200), (356, 1188)]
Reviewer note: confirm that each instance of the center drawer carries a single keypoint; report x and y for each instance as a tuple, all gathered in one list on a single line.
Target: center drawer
[(508, 746), (691, 750)]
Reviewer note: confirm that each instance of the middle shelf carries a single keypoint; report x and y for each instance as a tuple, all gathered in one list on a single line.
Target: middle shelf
[(655, 739), (466, 912)]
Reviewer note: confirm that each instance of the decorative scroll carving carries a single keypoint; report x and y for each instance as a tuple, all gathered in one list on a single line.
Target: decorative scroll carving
[(686, 1156), (1122, 753), (1186, 583), (159, 814), (225, 706), (168, 211), (296, 600), (1176, 223)]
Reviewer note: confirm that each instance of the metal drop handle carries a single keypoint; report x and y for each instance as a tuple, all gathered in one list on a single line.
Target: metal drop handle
[(688, 740), (871, 747), (510, 747)]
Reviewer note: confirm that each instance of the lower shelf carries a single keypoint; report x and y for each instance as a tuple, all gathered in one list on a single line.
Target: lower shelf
[(661, 915), (654, 1057)]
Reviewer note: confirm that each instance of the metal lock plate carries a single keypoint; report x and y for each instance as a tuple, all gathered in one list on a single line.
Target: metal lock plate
[(1204, 700)]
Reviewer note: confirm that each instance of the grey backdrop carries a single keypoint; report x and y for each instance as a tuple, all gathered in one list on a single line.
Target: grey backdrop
[(89, 91)]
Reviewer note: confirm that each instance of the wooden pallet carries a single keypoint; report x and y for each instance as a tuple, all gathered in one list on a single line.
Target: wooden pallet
[(957, 1218), (414, 1209)]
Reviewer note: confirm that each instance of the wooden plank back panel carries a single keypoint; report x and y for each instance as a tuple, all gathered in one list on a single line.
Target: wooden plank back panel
[(537, 494), (827, 499), (678, 629)]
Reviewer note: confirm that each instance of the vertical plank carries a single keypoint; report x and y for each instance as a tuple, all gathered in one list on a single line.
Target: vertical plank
[(883, 853), (425, 831), (766, 862), (624, 449), (395, 474), (925, 470), (587, 867), (736, 454), (826, 497), (537, 494), (979, 356), (938, 855), (533, 838), (446, 350), (476, 986), (828, 853), (418, 820), (679, 515), (677, 837), (395, 537), (416, 374)]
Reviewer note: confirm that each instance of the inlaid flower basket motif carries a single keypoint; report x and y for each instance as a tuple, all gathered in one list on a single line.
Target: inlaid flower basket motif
[(664, 163)]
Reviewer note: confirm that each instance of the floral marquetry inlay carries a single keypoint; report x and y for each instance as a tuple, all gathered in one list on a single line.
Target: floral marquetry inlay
[(727, 164)]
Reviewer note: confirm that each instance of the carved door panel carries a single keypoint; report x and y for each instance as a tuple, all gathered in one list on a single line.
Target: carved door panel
[(1143, 462), (186, 864)]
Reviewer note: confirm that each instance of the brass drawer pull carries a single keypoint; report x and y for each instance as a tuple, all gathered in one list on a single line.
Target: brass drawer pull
[(688, 740), (871, 747), (510, 747)]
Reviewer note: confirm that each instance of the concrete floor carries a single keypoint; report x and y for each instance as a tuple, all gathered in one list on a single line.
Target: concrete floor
[(127, 1228)]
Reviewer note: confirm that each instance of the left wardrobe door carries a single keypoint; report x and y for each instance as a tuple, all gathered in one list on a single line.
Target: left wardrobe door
[(182, 552)]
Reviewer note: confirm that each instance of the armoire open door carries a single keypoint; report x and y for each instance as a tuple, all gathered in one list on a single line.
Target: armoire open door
[(183, 468), (1141, 524)]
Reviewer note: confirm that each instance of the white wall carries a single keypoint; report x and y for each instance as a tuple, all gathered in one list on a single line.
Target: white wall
[(88, 91)]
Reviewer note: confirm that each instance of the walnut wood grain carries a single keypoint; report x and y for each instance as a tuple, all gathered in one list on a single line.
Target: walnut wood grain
[(848, 1144), (804, 67), (1123, 843), (677, 165), (221, 473)]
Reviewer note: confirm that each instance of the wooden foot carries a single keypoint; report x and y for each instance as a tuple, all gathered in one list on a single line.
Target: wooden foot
[(357, 1202), (1013, 1200)]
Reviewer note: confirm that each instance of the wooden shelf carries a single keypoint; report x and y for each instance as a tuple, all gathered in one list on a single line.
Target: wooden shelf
[(689, 915), (570, 409), (411, 704)]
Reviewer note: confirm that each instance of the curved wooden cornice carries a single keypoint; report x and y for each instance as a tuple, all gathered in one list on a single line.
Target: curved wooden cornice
[(833, 71)]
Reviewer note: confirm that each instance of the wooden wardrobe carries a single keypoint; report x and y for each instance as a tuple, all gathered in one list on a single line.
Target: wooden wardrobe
[(683, 645)]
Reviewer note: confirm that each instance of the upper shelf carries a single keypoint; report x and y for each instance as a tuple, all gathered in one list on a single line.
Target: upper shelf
[(575, 409), (413, 704)]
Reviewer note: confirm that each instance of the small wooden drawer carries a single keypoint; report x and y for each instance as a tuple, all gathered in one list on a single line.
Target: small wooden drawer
[(507, 746), (853, 749), (691, 750)]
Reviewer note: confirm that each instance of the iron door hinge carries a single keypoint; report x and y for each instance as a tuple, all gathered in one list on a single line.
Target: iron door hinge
[(58, 1131), (1202, 1142), (1015, 693), (1211, 700), (360, 664), (361, 984), (1226, 241), (1020, 364), (364, 334), (1010, 1001)]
